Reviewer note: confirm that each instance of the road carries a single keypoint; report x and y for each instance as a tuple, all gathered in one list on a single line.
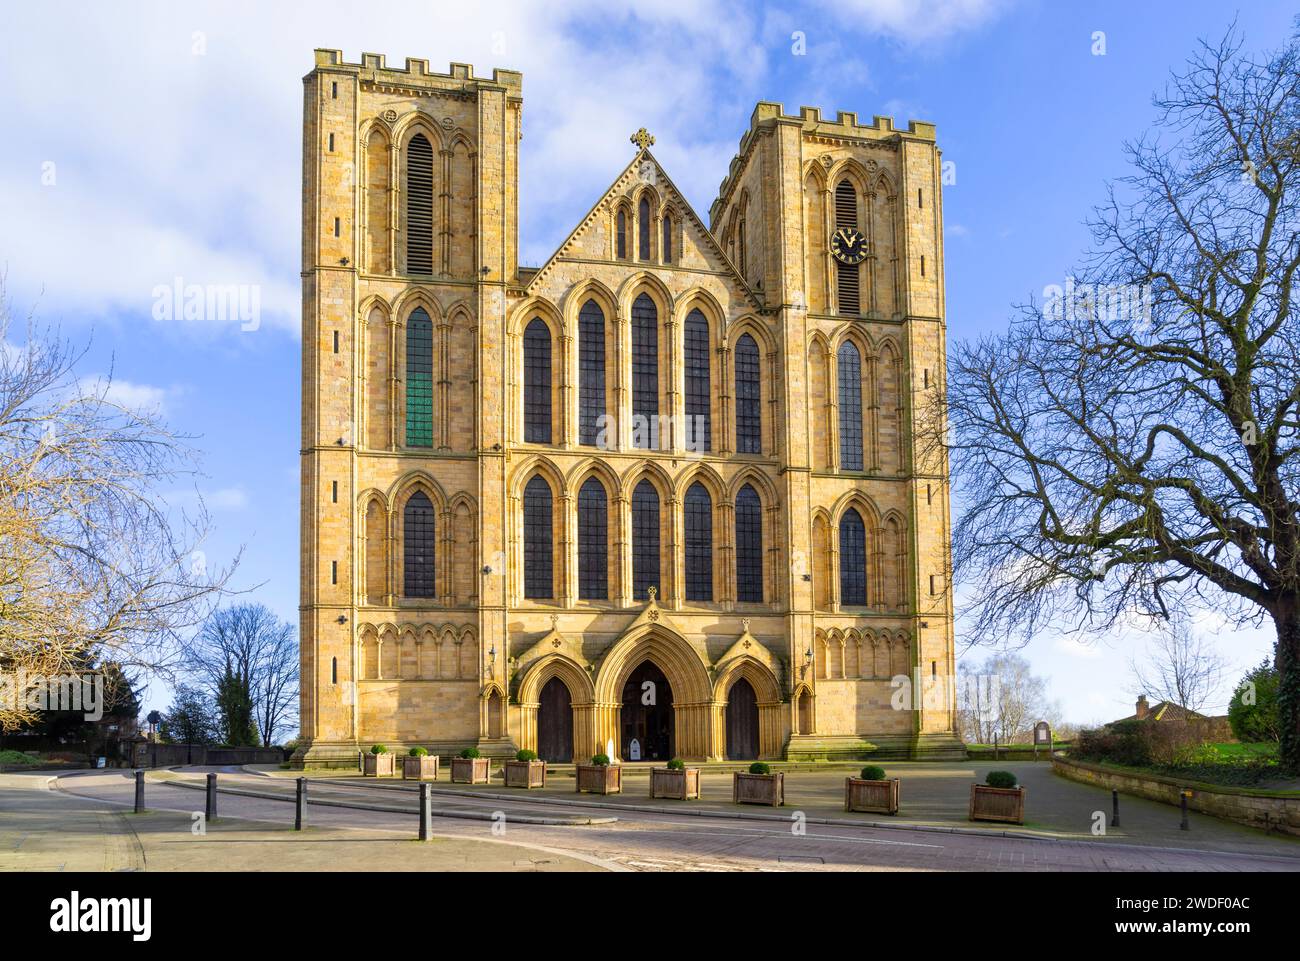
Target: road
[(654, 841)]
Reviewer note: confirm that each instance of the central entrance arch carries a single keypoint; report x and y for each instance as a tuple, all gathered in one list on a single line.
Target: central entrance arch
[(555, 723), (647, 715)]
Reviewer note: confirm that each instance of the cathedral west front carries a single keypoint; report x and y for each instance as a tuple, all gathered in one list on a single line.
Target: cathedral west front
[(661, 493)]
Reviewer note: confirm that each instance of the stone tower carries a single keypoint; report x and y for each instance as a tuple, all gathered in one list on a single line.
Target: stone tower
[(495, 554)]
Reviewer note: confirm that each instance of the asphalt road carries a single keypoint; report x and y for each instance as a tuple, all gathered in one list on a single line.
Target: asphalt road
[(645, 841)]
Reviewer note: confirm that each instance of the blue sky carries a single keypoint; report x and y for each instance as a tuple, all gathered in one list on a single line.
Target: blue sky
[(146, 142)]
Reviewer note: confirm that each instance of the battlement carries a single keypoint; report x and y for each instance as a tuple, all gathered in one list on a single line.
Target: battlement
[(417, 71), (767, 114)]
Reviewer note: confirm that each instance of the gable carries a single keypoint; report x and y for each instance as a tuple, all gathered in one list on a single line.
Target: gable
[(593, 239)]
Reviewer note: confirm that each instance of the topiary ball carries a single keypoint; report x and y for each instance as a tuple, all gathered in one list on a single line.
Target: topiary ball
[(418, 752), (525, 755), (873, 772), (677, 764), (470, 753), (600, 760), (758, 767), (1002, 779), (378, 749)]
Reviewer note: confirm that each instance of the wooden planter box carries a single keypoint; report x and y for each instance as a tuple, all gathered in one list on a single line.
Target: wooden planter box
[(526, 774), (997, 804), (470, 770), (599, 778), (874, 797), (766, 789), (423, 768), (680, 785), (377, 765)]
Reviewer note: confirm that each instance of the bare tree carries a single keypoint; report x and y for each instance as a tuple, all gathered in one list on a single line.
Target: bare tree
[(248, 659), (95, 567), (1181, 667), (1002, 698), (1129, 448)]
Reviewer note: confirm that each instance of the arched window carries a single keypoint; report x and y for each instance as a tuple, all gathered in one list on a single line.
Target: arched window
[(698, 396), (591, 372), (645, 372), (593, 541), (419, 206), (419, 379), (748, 404), (850, 401), (749, 546), (853, 559), (539, 536), (666, 248), (643, 229), (418, 544), (645, 540), (620, 235), (846, 217), (697, 519), (537, 382)]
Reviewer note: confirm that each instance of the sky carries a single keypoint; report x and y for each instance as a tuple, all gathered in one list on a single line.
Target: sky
[(151, 144)]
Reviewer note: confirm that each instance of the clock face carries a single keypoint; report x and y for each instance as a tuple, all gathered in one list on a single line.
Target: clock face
[(848, 245)]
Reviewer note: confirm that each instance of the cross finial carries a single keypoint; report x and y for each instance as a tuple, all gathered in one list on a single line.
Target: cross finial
[(744, 622), (652, 592), (555, 622), (642, 138)]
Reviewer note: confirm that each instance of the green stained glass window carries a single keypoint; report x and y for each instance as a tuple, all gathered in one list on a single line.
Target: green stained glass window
[(419, 380)]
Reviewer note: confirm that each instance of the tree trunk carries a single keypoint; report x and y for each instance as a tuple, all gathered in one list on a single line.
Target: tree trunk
[(1287, 619)]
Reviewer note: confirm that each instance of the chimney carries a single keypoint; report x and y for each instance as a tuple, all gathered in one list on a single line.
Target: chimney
[(1143, 709)]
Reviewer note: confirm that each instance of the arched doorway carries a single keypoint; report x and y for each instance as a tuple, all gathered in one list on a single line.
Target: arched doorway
[(742, 722), (555, 723), (647, 716)]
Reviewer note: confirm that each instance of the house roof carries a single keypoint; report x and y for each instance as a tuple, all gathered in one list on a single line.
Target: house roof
[(1166, 711)]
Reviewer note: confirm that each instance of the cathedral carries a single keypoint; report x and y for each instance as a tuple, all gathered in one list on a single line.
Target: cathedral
[(662, 493)]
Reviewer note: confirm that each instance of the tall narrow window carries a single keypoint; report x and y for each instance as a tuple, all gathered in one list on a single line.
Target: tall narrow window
[(591, 372), (593, 541), (539, 536), (418, 544), (850, 402), (620, 238), (666, 248), (749, 546), (419, 379), (645, 540), (537, 382), (846, 217), (853, 559), (645, 372), (419, 206), (698, 396), (697, 520), (643, 229), (748, 403)]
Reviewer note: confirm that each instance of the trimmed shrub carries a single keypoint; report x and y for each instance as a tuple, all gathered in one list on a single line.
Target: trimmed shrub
[(418, 752), (470, 753), (873, 772), (378, 749), (525, 755), (1253, 710), (677, 764), (1002, 779), (600, 760), (759, 767)]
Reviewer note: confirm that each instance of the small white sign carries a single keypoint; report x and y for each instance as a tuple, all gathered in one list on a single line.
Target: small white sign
[(634, 750)]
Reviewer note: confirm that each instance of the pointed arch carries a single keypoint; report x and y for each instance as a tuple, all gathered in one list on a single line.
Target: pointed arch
[(593, 539)]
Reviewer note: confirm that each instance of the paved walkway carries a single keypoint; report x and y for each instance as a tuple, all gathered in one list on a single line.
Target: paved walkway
[(932, 795), (43, 828)]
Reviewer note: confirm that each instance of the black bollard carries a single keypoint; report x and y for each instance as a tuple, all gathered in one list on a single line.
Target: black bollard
[(426, 811), (1114, 808), (301, 803), (1182, 803), (210, 811), (139, 792)]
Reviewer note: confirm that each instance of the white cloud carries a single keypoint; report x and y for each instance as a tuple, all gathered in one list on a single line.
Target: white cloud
[(913, 23), (1076, 648), (145, 398), (226, 499)]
